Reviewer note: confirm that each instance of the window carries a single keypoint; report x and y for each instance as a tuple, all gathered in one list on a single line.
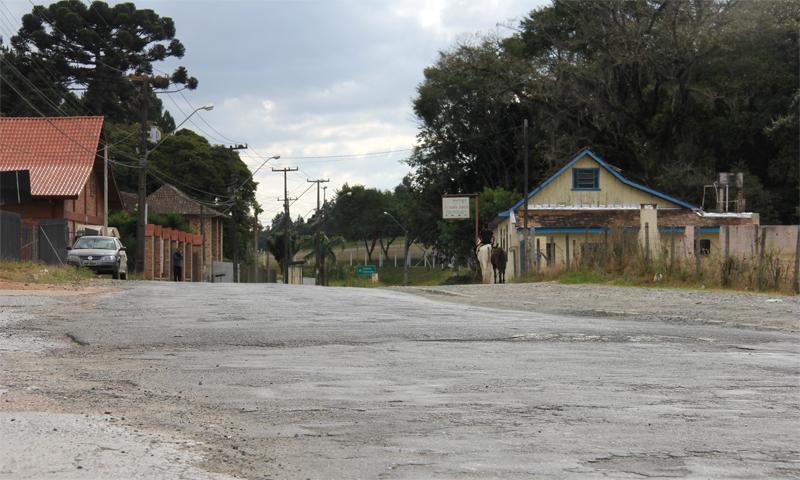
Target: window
[(586, 179), (704, 247)]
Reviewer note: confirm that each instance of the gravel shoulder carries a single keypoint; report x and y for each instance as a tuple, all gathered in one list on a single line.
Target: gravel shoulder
[(734, 309)]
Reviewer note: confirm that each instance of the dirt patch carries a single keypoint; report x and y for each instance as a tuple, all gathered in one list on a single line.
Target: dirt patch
[(9, 288), (736, 309)]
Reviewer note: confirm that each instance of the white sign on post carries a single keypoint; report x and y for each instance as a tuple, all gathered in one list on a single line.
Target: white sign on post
[(455, 208)]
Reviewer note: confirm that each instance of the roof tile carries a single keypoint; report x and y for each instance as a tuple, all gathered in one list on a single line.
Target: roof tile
[(59, 151)]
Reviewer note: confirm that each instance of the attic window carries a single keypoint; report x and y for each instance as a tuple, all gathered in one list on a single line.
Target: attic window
[(586, 179)]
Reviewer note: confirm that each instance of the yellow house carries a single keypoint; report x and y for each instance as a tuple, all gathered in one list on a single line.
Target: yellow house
[(588, 204)]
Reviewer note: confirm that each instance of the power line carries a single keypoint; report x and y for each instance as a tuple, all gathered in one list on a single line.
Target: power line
[(349, 155), (200, 116)]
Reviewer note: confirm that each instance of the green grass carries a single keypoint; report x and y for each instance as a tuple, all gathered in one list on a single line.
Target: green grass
[(30, 272), (391, 276)]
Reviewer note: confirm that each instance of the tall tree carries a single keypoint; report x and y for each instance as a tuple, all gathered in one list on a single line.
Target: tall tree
[(357, 214), (670, 91), (95, 48)]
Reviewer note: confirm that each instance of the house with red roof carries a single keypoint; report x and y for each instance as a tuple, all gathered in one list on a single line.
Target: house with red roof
[(66, 170)]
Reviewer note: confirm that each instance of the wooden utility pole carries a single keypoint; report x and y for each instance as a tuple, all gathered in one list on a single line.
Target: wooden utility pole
[(286, 220), (317, 253)]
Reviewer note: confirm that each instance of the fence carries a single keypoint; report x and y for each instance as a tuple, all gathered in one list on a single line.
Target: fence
[(10, 236), (749, 257), (45, 241)]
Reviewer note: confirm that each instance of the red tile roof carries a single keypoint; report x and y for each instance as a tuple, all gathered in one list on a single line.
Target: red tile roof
[(58, 151), (169, 199)]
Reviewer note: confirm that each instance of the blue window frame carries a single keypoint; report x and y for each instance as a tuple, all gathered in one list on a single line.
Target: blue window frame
[(586, 179)]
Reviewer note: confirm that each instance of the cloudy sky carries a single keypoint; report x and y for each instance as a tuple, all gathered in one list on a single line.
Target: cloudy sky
[(331, 79)]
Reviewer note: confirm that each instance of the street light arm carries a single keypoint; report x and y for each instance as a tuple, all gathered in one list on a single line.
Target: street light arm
[(397, 222), (205, 107)]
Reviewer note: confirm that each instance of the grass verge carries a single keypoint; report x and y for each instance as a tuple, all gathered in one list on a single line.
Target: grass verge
[(30, 272)]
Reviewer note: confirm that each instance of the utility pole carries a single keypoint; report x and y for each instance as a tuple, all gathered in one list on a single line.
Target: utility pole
[(105, 185), (203, 245), (255, 244), (524, 249), (235, 227), (286, 220), (140, 221), (234, 190), (317, 262)]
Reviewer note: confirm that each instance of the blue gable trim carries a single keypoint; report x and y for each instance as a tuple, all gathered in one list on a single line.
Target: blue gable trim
[(607, 167), (577, 229)]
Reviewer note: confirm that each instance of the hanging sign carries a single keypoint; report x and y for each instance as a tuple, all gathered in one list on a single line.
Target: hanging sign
[(455, 208)]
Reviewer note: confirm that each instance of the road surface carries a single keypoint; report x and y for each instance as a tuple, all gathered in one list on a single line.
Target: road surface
[(218, 381)]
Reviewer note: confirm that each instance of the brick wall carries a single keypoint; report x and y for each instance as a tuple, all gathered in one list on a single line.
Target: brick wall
[(159, 245)]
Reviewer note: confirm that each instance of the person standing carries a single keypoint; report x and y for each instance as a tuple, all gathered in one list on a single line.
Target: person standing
[(177, 265)]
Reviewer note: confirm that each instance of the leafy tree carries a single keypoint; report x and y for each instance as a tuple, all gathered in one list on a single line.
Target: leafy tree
[(275, 244), (327, 247), (94, 48), (210, 174), (670, 92), (357, 214)]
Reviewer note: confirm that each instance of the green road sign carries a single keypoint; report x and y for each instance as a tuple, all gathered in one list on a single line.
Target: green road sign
[(366, 270)]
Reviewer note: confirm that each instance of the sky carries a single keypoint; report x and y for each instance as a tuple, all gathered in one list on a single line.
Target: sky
[(332, 79)]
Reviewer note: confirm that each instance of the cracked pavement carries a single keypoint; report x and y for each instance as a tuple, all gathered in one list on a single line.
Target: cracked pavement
[(163, 380)]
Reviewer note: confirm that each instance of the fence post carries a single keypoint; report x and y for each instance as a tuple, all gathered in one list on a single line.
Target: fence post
[(696, 253), (672, 248), (727, 242), (796, 277), (567, 252)]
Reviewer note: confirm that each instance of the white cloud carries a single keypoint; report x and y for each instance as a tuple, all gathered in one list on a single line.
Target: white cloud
[(317, 78)]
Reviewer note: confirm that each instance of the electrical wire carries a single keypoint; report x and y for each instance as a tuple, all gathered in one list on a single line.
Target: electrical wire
[(43, 67), (200, 116)]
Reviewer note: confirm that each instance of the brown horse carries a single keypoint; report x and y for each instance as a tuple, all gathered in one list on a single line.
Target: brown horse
[(499, 260)]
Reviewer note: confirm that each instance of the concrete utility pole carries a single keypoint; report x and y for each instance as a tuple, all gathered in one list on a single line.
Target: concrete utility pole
[(105, 185), (524, 249), (140, 219), (317, 253), (286, 220), (234, 192), (255, 245)]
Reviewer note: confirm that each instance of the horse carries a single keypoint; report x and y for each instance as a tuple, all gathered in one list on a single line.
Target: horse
[(499, 260), (484, 254)]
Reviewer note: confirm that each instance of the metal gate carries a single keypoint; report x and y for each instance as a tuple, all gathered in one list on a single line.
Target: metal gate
[(9, 236), (53, 241)]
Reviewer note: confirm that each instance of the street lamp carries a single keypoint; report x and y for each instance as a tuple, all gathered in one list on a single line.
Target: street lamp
[(405, 235), (144, 152)]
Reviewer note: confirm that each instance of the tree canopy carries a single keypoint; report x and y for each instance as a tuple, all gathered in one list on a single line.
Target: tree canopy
[(671, 92), (70, 46)]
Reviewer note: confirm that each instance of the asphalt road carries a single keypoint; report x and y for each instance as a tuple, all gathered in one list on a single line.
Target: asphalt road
[(160, 380)]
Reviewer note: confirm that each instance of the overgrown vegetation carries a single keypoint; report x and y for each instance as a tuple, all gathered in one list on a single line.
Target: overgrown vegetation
[(31, 272), (628, 267)]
